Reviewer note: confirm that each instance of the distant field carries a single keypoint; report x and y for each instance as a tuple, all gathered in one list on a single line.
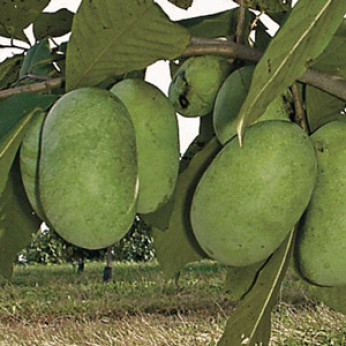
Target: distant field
[(52, 305)]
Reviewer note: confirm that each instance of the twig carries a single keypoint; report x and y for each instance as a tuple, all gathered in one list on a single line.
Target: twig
[(32, 88), (299, 113), (240, 24), (199, 46)]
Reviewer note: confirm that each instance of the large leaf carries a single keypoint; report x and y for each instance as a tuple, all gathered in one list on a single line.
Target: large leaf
[(112, 37), (17, 222), (177, 246), (9, 71), (53, 24), (290, 53), (15, 115), (322, 107), (185, 4), (16, 15), (38, 60), (250, 323), (217, 25)]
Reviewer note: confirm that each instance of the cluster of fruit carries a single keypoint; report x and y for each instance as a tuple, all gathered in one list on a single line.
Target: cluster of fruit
[(250, 198), (98, 158)]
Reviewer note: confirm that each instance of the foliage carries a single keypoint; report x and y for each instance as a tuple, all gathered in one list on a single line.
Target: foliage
[(48, 247), (112, 40)]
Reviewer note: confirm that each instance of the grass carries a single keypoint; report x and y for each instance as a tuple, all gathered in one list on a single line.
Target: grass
[(52, 305)]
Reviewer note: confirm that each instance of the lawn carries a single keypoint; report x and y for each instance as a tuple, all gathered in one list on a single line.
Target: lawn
[(53, 305)]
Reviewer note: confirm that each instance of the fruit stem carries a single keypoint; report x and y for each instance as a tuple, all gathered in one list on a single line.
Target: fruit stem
[(299, 114), (241, 22)]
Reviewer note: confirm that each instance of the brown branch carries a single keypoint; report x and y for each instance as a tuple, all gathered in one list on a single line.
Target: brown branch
[(299, 114), (32, 88), (199, 46), (240, 24)]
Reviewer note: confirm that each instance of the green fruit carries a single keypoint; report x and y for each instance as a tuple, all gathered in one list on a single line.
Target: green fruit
[(157, 141), (230, 98), (251, 197), (321, 242), (194, 87), (29, 159), (88, 170)]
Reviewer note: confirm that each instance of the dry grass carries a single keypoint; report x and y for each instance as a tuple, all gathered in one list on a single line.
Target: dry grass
[(53, 306)]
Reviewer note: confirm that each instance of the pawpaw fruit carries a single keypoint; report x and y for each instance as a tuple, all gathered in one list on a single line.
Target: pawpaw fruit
[(320, 251), (230, 98), (29, 162), (195, 85), (157, 139), (250, 197), (88, 182)]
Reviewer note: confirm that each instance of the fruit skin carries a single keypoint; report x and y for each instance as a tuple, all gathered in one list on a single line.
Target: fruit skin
[(157, 139), (250, 198), (195, 85), (320, 251), (29, 162), (88, 169), (230, 98)]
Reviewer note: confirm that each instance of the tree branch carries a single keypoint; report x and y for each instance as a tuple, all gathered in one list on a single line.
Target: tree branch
[(240, 24), (32, 88), (199, 46)]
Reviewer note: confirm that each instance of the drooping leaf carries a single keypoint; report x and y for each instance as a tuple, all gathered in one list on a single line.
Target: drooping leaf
[(112, 37), (177, 246), (239, 280), (15, 115), (53, 24), (185, 4), (9, 71), (250, 323), (217, 25), (17, 222), (16, 15), (38, 60), (290, 53), (322, 107)]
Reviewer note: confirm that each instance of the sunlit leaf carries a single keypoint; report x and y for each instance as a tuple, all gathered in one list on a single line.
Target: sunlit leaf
[(250, 323), (112, 37), (179, 237), (16, 15), (53, 24), (17, 222), (290, 53)]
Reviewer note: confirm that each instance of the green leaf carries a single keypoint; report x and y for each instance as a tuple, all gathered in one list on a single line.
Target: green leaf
[(332, 60), (217, 25), (239, 280), (185, 4), (177, 246), (53, 24), (334, 297), (250, 323), (15, 115), (9, 71), (290, 53), (38, 60), (17, 222), (112, 37), (322, 107), (16, 15)]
